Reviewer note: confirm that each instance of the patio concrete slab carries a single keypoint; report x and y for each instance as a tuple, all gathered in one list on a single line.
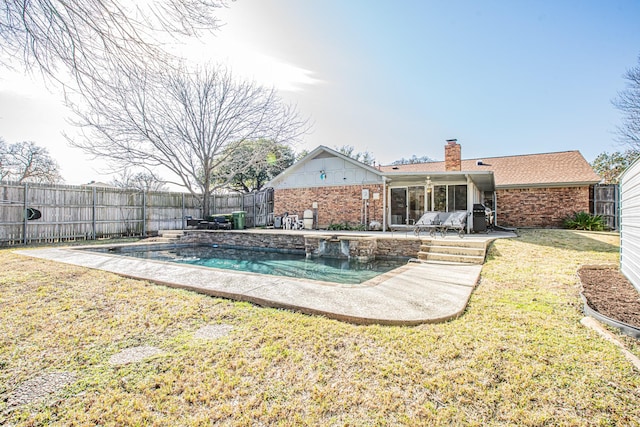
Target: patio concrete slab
[(413, 294)]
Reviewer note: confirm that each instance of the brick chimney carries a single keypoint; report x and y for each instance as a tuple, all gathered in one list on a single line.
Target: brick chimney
[(452, 157)]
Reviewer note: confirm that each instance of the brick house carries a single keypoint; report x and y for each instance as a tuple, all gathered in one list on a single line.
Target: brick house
[(536, 190)]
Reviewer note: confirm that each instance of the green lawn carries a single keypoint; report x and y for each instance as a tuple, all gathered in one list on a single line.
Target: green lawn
[(518, 356)]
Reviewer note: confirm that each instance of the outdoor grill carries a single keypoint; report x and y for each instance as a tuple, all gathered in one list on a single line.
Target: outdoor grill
[(479, 218)]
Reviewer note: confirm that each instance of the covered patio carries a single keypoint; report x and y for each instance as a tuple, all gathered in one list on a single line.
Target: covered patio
[(408, 195)]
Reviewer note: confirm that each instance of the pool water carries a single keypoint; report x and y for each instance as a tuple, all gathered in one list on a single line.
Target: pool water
[(295, 265)]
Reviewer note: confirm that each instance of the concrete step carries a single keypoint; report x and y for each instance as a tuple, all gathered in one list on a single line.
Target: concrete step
[(442, 257), (457, 242), (453, 250)]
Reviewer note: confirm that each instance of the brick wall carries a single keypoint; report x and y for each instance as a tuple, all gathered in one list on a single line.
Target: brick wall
[(335, 204), (540, 207), (452, 156)]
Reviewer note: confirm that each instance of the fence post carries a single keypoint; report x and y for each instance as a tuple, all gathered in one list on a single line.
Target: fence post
[(144, 213), (182, 221), (93, 214), (24, 214)]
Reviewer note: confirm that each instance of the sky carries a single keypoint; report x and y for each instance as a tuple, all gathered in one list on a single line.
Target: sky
[(398, 79)]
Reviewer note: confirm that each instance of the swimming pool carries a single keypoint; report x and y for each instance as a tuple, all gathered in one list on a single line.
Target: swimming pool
[(271, 262)]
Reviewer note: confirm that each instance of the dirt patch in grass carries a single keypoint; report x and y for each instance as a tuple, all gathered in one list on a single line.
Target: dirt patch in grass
[(39, 388), (134, 354), (610, 293), (212, 332)]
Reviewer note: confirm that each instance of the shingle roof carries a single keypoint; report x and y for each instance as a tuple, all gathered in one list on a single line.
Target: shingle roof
[(548, 169)]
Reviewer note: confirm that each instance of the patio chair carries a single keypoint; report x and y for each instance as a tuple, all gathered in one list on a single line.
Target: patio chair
[(454, 221), (292, 222), (427, 222)]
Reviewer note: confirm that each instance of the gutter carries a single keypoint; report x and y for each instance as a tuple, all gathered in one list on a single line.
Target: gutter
[(384, 204), (547, 185)]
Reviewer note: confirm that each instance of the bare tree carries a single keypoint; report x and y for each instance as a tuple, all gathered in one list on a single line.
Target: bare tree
[(26, 162), (142, 181), (413, 160), (628, 101), (187, 123), (363, 157), (81, 35)]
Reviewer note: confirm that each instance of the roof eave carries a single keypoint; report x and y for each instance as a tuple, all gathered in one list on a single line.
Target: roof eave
[(436, 173), (546, 185)]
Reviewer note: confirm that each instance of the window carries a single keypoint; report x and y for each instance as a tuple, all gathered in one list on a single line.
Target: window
[(457, 198), (416, 202), (440, 198), (450, 198)]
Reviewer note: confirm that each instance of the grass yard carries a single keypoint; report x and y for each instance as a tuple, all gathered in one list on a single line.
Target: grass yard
[(518, 356)]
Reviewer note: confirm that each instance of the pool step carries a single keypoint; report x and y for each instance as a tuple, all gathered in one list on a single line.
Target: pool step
[(458, 251), (170, 235)]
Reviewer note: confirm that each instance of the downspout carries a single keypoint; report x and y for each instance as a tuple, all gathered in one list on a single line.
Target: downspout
[(495, 207), (384, 204)]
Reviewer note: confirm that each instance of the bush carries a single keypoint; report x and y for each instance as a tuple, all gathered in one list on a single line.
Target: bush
[(584, 221), (346, 226)]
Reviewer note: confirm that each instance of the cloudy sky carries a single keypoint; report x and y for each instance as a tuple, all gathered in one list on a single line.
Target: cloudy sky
[(399, 78)]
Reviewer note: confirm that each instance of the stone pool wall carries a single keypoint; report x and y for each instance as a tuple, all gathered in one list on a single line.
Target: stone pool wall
[(255, 240), (359, 245), (361, 248), (398, 247)]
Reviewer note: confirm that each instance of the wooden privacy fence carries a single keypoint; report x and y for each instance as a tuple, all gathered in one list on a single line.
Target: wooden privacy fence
[(257, 205), (62, 212), (606, 201)]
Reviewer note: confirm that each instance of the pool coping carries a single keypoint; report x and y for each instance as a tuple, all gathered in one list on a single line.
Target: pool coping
[(414, 294)]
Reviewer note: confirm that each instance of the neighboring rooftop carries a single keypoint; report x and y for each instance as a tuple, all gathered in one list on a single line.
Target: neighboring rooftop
[(565, 167)]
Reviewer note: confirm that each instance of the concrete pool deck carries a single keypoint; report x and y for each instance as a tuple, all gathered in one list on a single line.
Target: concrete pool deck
[(412, 294)]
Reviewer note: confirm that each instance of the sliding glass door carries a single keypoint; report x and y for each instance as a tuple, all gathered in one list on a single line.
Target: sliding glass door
[(398, 205), (408, 204)]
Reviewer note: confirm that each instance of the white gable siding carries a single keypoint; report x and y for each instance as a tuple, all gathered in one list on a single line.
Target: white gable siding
[(630, 224), (337, 171)]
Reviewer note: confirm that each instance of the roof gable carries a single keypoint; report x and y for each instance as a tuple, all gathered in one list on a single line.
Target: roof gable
[(331, 160), (547, 169)]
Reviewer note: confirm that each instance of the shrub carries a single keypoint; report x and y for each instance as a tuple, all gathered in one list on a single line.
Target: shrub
[(346, 226), (584, 221)]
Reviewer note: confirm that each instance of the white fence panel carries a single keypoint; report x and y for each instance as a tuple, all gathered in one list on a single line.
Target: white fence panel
[(630, 224)]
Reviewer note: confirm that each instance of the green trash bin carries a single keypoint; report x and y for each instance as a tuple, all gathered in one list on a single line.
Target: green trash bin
[(239, 218)]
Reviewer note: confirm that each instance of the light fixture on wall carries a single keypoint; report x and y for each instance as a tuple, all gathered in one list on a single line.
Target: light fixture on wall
[(429, 184), (323, 175)]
